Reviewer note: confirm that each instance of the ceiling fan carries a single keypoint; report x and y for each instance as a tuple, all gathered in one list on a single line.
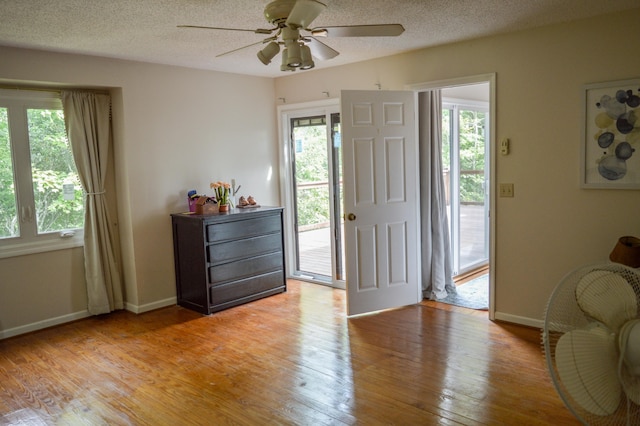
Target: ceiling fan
[(291, 20)]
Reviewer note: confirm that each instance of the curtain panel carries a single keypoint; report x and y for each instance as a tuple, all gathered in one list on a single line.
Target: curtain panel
[(88, 123), (437, 268)]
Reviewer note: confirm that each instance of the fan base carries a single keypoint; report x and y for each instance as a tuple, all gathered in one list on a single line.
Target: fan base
[(278, 11)]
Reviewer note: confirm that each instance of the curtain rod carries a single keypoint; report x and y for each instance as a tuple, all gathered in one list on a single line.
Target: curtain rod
[(50, 90), (35, 89)]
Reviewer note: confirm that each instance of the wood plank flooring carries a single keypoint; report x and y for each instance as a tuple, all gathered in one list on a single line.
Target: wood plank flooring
[(292, 358)]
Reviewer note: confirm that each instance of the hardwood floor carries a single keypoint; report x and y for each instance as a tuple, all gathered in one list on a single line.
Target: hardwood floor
[(292, 358)]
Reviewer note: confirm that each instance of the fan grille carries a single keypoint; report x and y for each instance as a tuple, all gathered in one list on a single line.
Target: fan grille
[(563, 314)]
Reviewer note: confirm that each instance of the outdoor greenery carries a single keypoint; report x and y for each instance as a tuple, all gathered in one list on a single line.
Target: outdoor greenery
[(312, 166), (472, 152), (52, 166)]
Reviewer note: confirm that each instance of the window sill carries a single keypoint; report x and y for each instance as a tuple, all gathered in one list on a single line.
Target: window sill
[(35, 247)]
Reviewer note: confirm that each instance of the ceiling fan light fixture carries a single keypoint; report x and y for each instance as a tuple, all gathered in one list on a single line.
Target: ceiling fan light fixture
[(294, 54), (285, 66), (268, 53), (307, 59), (291, 17)]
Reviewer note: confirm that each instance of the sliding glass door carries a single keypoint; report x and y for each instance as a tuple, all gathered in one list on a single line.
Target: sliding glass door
[(466, 173)]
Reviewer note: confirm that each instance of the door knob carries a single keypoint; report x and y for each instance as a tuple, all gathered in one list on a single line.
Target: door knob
[(351, 216)]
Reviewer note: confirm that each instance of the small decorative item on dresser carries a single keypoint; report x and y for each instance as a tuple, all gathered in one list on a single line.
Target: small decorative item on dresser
[(247, 203), (205, 205), (192, 199), (222, 193)]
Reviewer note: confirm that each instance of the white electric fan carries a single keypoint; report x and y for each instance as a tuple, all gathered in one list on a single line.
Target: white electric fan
[(591, 339)]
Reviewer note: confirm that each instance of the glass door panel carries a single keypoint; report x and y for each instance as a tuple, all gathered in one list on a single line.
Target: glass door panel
[(316, 171), (466, 174)]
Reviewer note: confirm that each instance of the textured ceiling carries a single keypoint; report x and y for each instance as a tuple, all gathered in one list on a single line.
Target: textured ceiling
[(145, 30)]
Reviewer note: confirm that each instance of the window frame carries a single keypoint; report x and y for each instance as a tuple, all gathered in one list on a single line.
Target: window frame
[(17, 102)]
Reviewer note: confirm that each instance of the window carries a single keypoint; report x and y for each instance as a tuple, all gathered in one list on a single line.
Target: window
[(41, 199)]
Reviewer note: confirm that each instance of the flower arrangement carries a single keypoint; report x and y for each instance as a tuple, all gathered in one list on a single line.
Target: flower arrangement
[(222, 191)]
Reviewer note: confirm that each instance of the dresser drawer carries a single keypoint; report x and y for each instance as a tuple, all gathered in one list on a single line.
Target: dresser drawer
[(248, 247), (243, 228), (253, 286), (245, 267)]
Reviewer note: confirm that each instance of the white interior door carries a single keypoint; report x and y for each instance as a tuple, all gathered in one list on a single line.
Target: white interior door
[(380, 175)]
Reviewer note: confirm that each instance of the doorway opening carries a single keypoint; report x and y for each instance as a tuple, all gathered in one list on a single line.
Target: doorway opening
[(466, 159), (468, 106), (314, 195)]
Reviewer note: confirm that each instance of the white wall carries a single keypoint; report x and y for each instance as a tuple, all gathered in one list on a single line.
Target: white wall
[(175, 129), (551, 226)]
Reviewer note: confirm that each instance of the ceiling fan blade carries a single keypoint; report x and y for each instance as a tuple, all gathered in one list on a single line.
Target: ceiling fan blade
[(239, 48), (382, 30), (256, 31), (304, 12), (320, 50)]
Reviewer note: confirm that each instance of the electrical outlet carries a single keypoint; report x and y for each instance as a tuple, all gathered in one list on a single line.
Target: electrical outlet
[(506, 190), (504, 146)]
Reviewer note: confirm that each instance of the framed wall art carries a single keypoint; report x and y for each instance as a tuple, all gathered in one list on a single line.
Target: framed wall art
[(611, 135)]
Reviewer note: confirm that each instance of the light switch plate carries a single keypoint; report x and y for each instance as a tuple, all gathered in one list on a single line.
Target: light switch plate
[(506, 190)]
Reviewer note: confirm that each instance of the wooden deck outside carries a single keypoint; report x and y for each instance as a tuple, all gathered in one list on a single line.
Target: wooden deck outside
[(472, 240), (315, 245), (315, 251)]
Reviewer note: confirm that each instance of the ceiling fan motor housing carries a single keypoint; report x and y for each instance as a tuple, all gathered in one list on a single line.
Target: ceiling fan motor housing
[(278, 11)]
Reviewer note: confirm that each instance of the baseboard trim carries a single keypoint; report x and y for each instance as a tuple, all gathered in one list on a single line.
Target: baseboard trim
[(39, 325), (529, 322), (139, 309), (51, 322)]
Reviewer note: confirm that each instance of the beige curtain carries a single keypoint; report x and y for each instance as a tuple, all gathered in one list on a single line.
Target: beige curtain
[(437, 269), (87, 117)]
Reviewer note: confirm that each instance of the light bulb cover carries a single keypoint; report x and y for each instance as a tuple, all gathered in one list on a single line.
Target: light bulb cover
[(269, 51), (285, 66), (294, 58), (307, 59)]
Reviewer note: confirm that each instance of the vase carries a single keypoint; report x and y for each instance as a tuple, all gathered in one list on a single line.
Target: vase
[(223, 208)]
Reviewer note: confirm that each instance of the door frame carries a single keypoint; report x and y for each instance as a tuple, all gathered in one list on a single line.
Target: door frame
[(285, 113), (464, 81)]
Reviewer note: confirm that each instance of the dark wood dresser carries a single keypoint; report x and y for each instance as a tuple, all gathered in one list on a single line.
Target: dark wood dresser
[(226, 259)]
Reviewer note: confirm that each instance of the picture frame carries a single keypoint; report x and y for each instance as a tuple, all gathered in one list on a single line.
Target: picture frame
[(610, 154)]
